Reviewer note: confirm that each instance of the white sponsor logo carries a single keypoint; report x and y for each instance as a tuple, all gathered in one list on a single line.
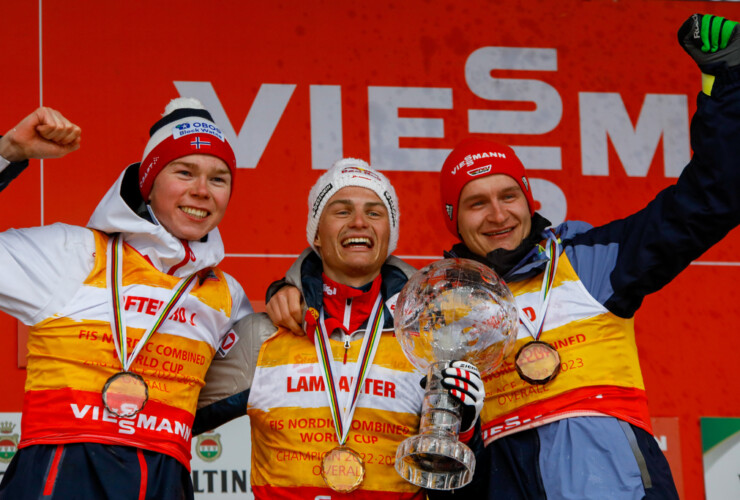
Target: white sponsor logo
[(129, 425), (183, 129), (469, 160)]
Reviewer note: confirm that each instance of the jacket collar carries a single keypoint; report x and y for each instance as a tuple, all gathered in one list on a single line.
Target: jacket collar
[(122, 210), (305, 274)]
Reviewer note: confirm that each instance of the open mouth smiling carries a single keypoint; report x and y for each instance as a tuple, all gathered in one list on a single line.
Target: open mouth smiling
[(357, 242), (499, 233), (195, 212)]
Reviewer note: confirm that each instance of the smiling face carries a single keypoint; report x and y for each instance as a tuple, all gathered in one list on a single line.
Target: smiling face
[(190, 195), (352, 236), (493, 213)]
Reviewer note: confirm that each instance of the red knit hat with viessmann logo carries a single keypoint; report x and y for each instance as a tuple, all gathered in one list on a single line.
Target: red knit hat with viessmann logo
[(473, 159)]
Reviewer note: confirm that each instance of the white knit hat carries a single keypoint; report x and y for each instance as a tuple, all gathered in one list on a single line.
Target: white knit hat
[(351, 172), (186, 128)]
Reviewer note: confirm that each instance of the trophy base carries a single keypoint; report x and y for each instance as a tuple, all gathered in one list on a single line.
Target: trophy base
[(435, 462)]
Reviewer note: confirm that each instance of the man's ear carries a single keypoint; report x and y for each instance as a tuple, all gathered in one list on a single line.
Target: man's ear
[(317, 241)]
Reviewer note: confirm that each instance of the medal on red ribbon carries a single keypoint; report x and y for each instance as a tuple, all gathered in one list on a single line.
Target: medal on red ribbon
[(126, 393), (342, 468), (538, 362)]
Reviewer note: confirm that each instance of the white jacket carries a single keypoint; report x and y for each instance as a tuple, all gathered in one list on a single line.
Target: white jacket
[(44, 266)]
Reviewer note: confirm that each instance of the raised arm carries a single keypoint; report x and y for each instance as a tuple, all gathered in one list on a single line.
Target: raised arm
[(627, 259), (42, 267)]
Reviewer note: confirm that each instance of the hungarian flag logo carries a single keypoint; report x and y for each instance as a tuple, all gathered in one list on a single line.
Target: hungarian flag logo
[(208, 447), (8, 442)]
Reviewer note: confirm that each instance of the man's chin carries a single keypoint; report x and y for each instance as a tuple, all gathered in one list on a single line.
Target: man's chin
[(491, 248), (190, 235), (362, 267)]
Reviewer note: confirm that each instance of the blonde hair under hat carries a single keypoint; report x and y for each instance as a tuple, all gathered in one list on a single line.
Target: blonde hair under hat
[(351, 172)]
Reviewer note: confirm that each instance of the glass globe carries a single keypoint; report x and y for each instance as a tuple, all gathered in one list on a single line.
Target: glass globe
[(453, 309), (456, 309)]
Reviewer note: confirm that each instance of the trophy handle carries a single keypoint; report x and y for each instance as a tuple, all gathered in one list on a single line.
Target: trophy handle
[(435, 458)]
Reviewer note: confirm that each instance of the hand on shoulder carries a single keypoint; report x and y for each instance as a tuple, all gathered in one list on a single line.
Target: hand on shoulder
[(285, 309)]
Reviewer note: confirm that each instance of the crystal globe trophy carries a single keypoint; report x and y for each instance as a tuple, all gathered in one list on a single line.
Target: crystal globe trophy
[(453, 309)]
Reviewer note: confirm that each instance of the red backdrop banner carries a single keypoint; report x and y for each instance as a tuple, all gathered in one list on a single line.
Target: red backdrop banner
[(595, 96)]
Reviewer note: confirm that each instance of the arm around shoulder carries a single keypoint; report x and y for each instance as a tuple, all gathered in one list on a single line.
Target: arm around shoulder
[(229, 378), (232, 370)]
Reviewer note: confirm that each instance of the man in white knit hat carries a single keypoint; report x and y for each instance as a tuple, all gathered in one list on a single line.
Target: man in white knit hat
[(329, 408), (99, 421)]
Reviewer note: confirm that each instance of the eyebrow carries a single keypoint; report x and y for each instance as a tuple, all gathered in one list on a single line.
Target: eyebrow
[(506, 190), (347, 201), (182, 162), (220, 171), (223, 171)]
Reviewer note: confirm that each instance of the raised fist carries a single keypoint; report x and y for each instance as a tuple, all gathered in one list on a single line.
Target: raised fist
[(45, 133)]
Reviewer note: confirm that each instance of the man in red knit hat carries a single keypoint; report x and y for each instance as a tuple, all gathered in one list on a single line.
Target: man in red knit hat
[(585, 432), (99, 422)]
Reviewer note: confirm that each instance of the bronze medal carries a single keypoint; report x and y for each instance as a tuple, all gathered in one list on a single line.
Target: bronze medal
[(125, 394), (537, 362), (343, 469)]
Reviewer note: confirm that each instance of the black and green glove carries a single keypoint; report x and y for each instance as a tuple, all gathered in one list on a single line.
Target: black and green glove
[(712, 41)]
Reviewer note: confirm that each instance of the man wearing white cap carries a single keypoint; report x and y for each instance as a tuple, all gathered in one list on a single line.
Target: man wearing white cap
[(100, 421), (329, 408)]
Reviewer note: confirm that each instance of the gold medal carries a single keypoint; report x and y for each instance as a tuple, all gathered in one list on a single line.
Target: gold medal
[(537, 362), (343, 469), (125, 394)]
